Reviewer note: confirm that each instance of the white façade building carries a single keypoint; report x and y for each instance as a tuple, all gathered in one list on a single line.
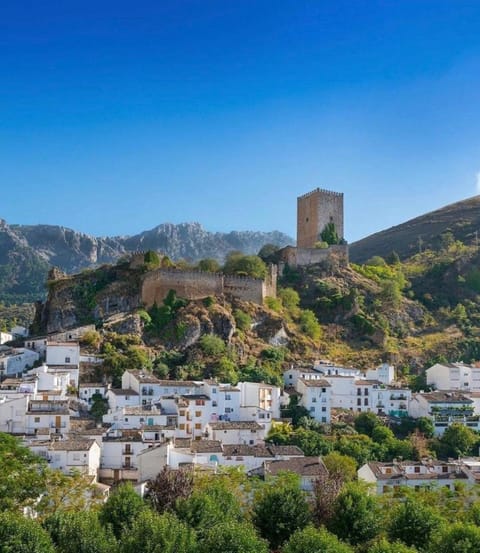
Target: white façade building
[(14, 361), (88, 390), (118, 398), (454, 377), (444, 409), (236, 432), (13, 414), (389, 476), (315, 396), (63, 353), (384, 373), (68, 456)]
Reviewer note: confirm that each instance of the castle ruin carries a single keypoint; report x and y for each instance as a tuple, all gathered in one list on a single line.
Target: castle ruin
[(194, 285), (315, 210)]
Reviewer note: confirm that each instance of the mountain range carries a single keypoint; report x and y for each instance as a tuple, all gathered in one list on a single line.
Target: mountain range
[(28, 251)]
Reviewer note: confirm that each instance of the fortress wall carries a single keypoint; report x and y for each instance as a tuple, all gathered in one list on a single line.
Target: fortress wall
[(310, 256), (244, 288), (192, 285)]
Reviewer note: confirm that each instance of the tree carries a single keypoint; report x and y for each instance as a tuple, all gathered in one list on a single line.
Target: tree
[(212, 344), (458, 538), (209, 265), (232, 537), (153, 533), (206, 507), (457, 441), (309, 324), (245, 265), (329, 234), (356, 515), (67, 493), (313, 540), (121, 509), (99, 407), (242, 319), (279, 511), (290, 299), (151, 259), (365, 423), (426, 427), (376, 261), (413, 523), (340, 467), (19, 534), (384, 546), (23, 474), (169, 486), (268, 253), (80, 532)]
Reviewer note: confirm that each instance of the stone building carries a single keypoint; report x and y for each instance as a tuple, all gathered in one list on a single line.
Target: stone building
[(315, 210)]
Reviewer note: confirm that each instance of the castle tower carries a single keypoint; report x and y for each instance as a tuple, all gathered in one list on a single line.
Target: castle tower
[(314, 211)]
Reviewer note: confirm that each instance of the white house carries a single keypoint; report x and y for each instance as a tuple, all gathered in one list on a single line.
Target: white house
[(119, 398), (51, 415), (444, 408), (385, 373), (316, 398), (454, 377), (5, 337), (12, 414), (88, 390), (308, 468), (387, 477), (343, 391), (70, 455), (140, 417), (119, 453), (16, 360), (327, 368), (236, 432), (63, 353)]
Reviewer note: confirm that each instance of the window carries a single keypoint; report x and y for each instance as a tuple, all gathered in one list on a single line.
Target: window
[(228, 410), (314, 400), (228, 397), (198, 413), (37, 419), (416, 470), (366, 401), (198, 426), (324, 390), (359, 401), (312, 409), (182, 412), (214, 390), (199, 402), (324, 419), (444, 469), (324, 409), (214, 403), (359, 392), (366, 392), (67, 359), (290, 376), (182, 426)]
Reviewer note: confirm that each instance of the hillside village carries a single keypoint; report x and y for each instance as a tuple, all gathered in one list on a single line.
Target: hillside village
[(132, 430)]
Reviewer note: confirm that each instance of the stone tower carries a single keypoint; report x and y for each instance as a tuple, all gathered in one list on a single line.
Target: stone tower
[(314, 211)]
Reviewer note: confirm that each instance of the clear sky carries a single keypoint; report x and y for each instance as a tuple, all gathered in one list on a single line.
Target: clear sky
[(116, 116)]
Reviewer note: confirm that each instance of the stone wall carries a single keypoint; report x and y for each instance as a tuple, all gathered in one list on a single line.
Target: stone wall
[(194, 285), (314, 211), (311, 256)]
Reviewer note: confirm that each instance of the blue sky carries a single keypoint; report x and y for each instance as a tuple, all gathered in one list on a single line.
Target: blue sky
[(118, 116)]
